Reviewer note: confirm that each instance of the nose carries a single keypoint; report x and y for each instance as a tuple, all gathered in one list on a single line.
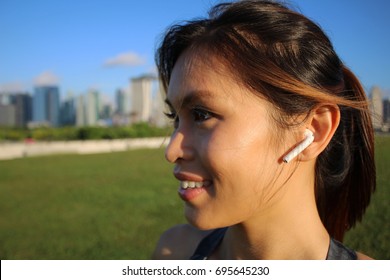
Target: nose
[(179, 148)]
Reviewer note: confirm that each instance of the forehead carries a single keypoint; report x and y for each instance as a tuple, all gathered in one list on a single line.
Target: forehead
[(201, 72), (199, 65)]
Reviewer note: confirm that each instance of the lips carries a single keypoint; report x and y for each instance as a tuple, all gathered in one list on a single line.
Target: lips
[(191, 186)]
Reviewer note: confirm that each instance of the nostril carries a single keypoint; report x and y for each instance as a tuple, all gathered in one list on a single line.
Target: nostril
[(168, 156), (180, 147), (172, 151)]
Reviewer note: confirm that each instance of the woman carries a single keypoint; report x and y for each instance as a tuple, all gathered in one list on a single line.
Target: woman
[(273, 144)]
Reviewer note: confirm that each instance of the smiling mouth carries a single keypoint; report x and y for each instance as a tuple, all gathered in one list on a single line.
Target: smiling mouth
[(189, 190), (192, 184)]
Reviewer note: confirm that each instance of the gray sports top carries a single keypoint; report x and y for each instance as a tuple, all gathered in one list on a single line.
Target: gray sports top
[(207, 245)]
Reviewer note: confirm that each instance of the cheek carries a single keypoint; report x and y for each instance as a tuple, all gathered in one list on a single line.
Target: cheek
[(244, 154)]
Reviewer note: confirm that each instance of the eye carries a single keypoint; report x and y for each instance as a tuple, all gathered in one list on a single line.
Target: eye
[(173, 117), (200, 115)]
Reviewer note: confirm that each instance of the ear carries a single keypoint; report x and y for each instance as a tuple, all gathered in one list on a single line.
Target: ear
[(323, 122)]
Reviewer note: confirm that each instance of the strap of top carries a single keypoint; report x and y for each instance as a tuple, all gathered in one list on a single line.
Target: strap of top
[(208, 244), (336, 251)]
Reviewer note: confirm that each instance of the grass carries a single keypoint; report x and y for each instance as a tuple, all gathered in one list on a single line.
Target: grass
[(114, 206), (372, 236), (111, 206)]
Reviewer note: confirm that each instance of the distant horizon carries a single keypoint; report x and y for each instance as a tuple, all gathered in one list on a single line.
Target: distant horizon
[(101, 44), (111, 97), (107, 98)]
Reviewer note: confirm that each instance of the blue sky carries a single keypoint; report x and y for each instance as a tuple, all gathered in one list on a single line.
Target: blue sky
[(102, 44)]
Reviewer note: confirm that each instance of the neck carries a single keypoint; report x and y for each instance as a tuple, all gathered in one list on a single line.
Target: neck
[(289, 229)]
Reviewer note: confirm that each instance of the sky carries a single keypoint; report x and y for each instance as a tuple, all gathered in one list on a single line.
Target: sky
[(102, 44)]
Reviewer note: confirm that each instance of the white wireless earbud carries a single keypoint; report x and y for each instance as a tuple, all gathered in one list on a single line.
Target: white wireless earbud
[(309, 138)]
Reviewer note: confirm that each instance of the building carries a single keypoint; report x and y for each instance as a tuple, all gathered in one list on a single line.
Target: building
[(123, 102), (121, 116), (68, 112), (80, 111), (141, 101), (93, 108), (7, 115), (386, 111), (120, 101), (7, 98), (23, 109), (46, 106), (16, 109), (7, 110), (376, 107), (106, 112), (159, 108)]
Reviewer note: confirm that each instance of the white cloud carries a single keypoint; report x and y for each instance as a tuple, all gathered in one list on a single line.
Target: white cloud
[(46, 78), (125, 59)]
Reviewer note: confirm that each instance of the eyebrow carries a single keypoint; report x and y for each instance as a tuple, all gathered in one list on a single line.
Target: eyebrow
[(191, 98)]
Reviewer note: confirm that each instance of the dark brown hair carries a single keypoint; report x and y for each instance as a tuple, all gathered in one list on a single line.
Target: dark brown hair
[(287, 59)]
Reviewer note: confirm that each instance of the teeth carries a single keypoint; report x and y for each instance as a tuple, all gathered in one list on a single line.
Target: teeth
[(191, 184)]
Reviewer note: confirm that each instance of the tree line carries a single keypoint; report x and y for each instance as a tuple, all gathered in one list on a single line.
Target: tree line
[(139, 130)]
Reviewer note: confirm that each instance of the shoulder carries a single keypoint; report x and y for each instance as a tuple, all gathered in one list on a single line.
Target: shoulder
[(361, 256), (178, 242)]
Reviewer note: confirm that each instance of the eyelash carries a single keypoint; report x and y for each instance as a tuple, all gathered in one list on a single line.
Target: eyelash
[(170, 115), (199, 115)]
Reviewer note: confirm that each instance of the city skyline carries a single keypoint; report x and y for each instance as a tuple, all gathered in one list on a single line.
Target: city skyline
[(142, 103), (83, 45)]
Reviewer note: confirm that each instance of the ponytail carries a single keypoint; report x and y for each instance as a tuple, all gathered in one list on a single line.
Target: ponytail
[(345, 171)]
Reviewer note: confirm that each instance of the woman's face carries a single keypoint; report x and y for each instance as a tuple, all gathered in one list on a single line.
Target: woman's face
[(225, 156)]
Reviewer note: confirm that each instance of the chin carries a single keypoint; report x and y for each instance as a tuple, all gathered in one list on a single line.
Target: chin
[(201, 221)]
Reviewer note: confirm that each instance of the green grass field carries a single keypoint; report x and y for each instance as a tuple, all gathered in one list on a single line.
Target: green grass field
[(372, 236), (114, 206)]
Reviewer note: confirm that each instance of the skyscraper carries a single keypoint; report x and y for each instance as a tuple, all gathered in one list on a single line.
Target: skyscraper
[(7, 110), (142, 98), (68, 111), (23, 108), (46, 105), (80, 111), (120, 102), (386, 111), (376, 107), (7, 115), (16, 109), (122, 113), (93, 107), (159, 108)]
